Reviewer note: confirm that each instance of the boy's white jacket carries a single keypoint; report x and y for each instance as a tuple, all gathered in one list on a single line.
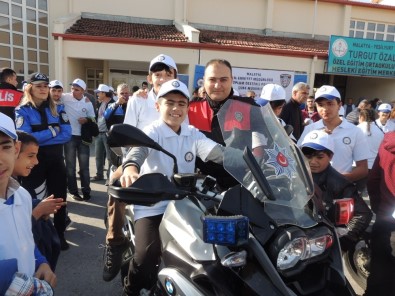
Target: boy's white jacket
[(186, 146), (16, 239)]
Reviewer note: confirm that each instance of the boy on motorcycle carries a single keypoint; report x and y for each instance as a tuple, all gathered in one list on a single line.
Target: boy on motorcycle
[(186, 143), (318, 148)]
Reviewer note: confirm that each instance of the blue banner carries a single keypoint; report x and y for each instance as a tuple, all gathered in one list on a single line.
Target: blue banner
[(361, 57)]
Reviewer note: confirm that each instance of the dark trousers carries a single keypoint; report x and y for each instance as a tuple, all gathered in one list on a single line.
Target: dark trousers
[(49, 177), (143, 267), (76, 149), (381, 280)]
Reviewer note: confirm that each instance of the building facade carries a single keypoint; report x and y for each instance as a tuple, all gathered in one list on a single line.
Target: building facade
[(103, 42)]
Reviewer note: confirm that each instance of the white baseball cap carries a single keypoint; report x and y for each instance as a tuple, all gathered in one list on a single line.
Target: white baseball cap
[(384, 107), (111, 88), (79, 82), (173, 85), (319, 140), (327, 92), (273, 92), (163, 59), (103, 88), (7, 126), (55, 83)]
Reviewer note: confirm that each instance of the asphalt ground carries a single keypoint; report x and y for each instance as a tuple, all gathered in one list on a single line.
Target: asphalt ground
[(79, 269)]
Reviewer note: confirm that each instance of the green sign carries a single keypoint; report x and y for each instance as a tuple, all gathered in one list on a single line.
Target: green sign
[(361, 57)]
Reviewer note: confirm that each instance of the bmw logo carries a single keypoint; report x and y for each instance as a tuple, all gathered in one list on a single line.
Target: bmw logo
[(170, 289)]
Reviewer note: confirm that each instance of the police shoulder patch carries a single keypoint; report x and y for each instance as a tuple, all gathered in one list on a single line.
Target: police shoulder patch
[(19, 122)]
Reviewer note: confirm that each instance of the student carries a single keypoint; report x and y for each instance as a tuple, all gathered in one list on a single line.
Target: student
[(349, 142), (180, 139), (15, 219), (276, 96), (48, 122), (80, 112), (318, 147), (140, 112), (44, 232)]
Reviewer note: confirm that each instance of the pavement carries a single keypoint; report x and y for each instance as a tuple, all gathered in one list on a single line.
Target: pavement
[(79, 269)]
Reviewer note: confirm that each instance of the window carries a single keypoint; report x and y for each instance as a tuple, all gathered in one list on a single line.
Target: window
[(24, 36), (371, 30), (94, 78)]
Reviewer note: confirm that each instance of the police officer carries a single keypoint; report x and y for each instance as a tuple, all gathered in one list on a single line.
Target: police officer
[(49, 124)]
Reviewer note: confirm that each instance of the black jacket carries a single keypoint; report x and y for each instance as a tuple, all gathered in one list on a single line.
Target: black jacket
[(292, 115), (334, 186)]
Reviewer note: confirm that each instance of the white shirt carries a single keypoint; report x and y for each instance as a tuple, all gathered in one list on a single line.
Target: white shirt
[(388, 127), (191, 143), (16, 239), (140, 111), (76, 109), (373, 139), (349, 144)]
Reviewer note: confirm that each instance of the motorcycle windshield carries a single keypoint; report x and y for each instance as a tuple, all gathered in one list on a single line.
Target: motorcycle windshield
[(281, 178)]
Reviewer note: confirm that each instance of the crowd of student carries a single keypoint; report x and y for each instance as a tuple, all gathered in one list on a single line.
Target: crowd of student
[(56, 128)]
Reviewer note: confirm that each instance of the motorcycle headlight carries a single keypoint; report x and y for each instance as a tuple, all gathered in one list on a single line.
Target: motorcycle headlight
[(294, 245), (292, 253)]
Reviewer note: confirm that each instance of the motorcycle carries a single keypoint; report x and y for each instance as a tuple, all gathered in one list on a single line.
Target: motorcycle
[(266, 236)]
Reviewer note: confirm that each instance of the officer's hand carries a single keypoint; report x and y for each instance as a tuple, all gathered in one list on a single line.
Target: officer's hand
[(82, 120), (129, 175), (142, 93)]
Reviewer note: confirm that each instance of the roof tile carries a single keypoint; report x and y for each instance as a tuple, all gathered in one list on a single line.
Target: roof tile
[(105, 28), (94, 27)]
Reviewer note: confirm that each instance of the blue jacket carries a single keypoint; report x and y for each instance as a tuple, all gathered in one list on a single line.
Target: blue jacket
[(114, 114), (40, 123)]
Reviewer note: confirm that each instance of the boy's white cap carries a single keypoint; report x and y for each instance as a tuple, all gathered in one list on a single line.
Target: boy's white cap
[(79, 82), (55, 83), (273, 92), (327, 92), (7, 126), (384, 107), (111, 88), (163, 59), (318, 140), (103, 87), (173, 85)]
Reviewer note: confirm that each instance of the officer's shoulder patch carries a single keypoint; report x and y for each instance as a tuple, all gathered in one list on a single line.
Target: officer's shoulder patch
[(19, 122)]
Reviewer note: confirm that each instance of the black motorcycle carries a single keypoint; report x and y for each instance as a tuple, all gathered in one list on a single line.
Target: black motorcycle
[(266, 236)]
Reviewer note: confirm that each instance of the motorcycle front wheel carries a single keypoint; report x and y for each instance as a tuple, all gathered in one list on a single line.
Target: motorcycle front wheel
[(357, 262)]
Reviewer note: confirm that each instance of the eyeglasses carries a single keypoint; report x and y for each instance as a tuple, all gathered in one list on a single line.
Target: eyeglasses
[(125, 93)]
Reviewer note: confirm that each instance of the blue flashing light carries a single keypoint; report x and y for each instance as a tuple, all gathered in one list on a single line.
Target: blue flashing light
[(226, 231)]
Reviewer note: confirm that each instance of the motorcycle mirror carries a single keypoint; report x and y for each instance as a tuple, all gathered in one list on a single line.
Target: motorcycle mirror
[(288, 129), (126, 135)]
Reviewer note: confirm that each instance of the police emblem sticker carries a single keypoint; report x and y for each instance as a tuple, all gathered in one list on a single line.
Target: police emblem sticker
[(19, 122), (175, 84), (188, 156), (347, 140), (239, 116)]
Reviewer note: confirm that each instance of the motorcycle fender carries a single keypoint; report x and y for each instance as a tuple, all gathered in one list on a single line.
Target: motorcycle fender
[(181, 223), (174, 283)]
